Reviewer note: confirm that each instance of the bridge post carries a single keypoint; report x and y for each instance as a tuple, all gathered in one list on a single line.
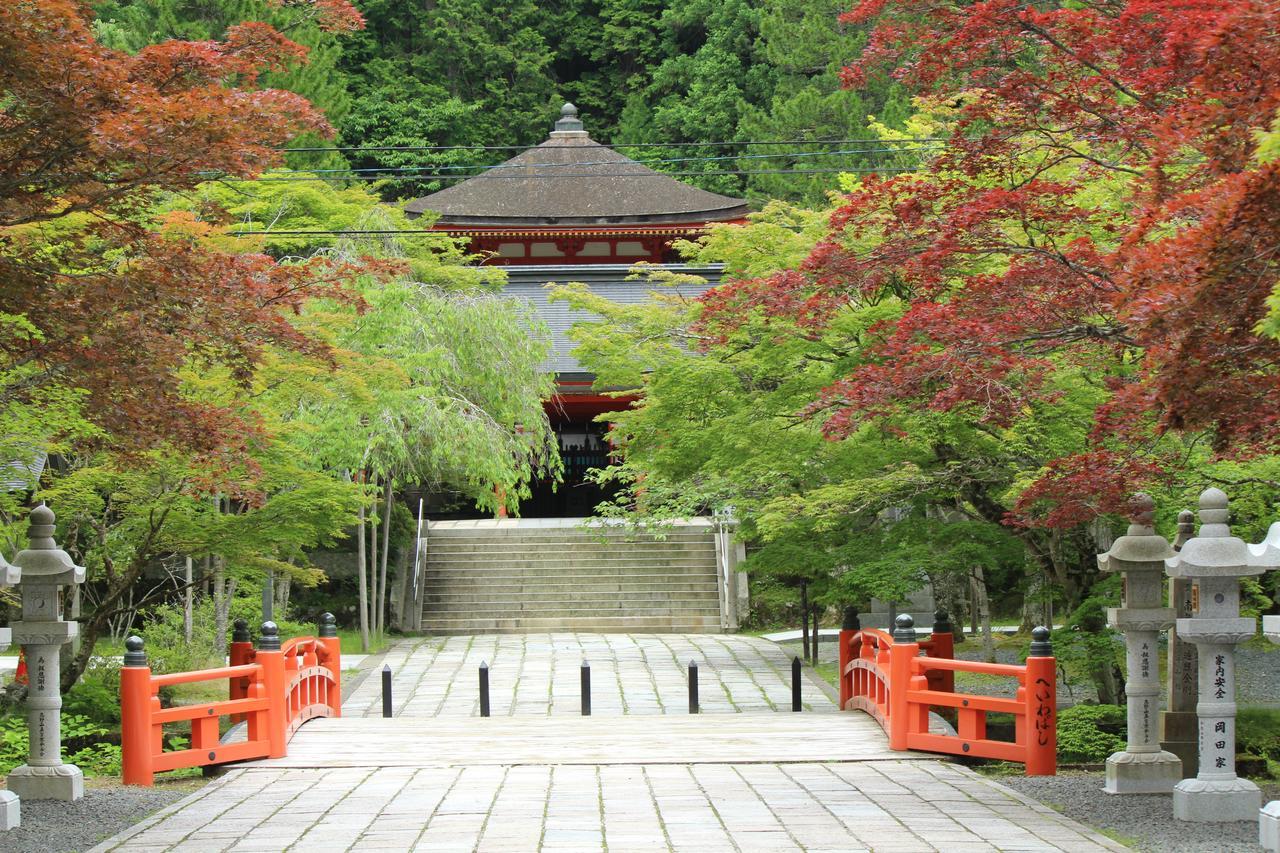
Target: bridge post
[(271, 659), (796, 703), (1041, 696), (693, 687), (135, 716), (327, 637), (239, 653), (846, 654), (942, 645), (904, 650)]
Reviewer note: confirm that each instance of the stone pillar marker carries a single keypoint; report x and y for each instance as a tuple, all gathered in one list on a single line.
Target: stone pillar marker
[(1178, 719), (1143, 767), (42, 632), (1269, 815), (10, 807), (1214, 562)]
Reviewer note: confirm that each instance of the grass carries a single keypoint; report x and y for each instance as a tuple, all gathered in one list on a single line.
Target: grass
[(351, 645), (829, 672)]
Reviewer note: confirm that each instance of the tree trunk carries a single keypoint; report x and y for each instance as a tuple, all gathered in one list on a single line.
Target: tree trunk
[(375, 620), (982, 607), (224, 589), (402, 574), (804, 617), (388, 497), (817, 624), (364, 587), (188, 602)]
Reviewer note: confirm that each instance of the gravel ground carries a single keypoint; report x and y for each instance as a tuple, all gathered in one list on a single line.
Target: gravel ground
[(49, 826), (1141, 821)]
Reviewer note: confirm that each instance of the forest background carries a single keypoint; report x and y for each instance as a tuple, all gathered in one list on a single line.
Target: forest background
[(1041, 284)]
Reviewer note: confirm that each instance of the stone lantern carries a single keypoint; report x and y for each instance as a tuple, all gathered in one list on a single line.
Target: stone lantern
[(1143, 767), (42, 633), (1269, 818), (10, 808), (1214, 561)]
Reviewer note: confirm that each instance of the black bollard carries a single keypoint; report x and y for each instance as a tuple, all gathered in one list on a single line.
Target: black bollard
[(586, 689), (484, 689), (795, 684), (693, 687), (386, 690)]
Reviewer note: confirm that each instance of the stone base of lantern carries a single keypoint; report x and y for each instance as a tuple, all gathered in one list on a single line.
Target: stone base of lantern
[(1142, 773), (1206, 801), (64, 782), (10, 811), (1269, 827)]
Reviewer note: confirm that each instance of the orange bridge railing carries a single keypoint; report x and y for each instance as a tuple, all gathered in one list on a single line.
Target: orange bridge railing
[(272, 689), (898, 680)]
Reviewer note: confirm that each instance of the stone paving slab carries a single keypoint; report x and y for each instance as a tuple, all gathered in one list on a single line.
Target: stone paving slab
[(595, 740), (884, 806), (538, 674)]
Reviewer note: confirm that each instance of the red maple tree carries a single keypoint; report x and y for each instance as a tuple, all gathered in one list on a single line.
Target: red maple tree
[(89, 139), (1008, 268)]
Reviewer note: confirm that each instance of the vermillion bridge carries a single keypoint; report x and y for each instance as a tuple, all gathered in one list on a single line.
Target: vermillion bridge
[(637, 771)]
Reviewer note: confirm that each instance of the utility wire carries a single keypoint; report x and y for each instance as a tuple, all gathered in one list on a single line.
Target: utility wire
[(429, 176), (358, 148), (774, 156)]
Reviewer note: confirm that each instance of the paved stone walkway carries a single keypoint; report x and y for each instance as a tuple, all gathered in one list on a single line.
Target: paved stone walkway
[(536, 674), (438, 800)]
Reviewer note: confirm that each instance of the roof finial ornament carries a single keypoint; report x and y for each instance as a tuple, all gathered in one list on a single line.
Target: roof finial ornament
[(569, 121)]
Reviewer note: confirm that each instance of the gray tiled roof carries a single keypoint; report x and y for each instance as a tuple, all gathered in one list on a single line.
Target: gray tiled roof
[(22, 475), (573, 180), (608, 280)]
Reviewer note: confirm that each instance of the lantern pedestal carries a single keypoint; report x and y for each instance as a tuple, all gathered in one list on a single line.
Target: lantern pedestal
[(1142, 767), (1214, 561)]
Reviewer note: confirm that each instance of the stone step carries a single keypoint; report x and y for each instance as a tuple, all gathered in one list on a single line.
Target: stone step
[(565, 580), (516, 592), (564, 541), (552, 568), (609, 600), (572, 531), (576, 608), (560, 549), (433, 624)]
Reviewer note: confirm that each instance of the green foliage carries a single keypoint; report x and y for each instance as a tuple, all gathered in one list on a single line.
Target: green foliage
[(468, 73), (1087, 734), (1258, 733), (86, 744)]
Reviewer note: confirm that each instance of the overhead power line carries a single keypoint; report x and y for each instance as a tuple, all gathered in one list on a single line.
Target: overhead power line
[(429, 176), (486, 169), (329, 148)]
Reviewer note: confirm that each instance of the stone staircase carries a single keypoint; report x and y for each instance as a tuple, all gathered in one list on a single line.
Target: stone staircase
[(517, 575)]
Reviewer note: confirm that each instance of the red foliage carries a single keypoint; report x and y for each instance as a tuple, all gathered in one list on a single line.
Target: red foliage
[(91, 131), (988, 251)]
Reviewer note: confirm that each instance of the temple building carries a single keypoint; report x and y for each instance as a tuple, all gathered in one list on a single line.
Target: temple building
[(567, 210)]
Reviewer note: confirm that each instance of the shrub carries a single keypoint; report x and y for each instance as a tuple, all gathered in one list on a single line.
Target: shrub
[(89, 745), (1087, 734)]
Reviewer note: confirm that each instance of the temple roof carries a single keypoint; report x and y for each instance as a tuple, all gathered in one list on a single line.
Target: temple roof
[(573, 180)]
